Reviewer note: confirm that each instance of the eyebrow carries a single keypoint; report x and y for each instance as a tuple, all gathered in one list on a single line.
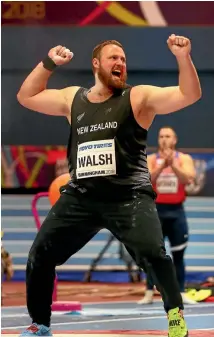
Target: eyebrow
[(122, 57)]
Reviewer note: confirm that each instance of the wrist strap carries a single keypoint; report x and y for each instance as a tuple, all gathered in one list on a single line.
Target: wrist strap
[(49, 64)]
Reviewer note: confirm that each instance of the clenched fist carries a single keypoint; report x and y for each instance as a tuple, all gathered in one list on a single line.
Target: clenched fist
[(168, 155), (179, 45), (60, 55)]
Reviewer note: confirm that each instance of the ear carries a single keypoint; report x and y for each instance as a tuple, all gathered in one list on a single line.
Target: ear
[(175, 141), (95, 63)]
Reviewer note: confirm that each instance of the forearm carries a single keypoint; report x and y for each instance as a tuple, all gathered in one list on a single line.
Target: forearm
[(189, 83), (183, 176), (35, 82)]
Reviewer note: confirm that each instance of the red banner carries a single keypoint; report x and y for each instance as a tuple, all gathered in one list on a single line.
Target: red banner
[(131, 13)]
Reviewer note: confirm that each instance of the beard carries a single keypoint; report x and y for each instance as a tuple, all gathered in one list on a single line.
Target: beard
[(112, 82)]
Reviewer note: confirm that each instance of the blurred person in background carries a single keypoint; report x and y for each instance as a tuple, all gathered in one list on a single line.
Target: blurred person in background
[(171, 171)]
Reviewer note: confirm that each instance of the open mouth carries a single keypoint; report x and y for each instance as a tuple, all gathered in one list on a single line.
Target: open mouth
[(116, 73)]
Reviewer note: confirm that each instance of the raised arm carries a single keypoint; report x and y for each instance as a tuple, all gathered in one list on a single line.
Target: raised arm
[(34, 94), (158, 100)]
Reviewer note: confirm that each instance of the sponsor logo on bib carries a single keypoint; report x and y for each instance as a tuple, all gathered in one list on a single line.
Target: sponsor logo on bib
[(96, 158), (167, 183)]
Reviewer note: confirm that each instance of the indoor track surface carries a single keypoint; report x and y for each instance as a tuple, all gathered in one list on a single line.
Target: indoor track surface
[(116, 319)]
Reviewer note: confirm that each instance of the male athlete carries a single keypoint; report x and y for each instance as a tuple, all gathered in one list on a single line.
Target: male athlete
[(170, 172), (110, 185)]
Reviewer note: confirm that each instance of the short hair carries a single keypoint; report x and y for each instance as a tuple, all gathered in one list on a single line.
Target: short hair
[(97, 50), (169, 127)]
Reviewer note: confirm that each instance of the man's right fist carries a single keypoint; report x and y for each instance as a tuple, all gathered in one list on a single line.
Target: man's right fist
[(60, 55)]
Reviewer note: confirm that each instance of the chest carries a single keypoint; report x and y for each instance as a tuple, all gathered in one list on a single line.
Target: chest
[(167, 182), (98, 122)]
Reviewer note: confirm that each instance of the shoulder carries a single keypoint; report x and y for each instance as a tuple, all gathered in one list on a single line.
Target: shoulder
[(70, 91), (141, 94), (144, 89), (151, 160), (152, 157), (184, 157)]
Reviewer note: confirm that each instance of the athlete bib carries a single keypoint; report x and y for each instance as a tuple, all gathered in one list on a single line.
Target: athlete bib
[(96, 158), (167, 183)]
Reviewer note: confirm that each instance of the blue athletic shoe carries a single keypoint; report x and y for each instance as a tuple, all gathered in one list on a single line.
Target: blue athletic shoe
[(37, 330)]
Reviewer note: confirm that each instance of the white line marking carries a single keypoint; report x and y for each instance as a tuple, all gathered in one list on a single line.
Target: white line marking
[(100, 243), (116, 256), (110, 320), (147, 307), (34, 230), (110, 267)]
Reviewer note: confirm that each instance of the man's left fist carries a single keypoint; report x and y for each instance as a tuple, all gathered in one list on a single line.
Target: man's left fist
[(179, 45)]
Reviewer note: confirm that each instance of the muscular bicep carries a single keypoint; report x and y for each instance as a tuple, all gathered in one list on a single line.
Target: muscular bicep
[(166, 100), (49, 101)]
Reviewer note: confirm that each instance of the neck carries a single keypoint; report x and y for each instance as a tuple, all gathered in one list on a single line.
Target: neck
[(101, 90)]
